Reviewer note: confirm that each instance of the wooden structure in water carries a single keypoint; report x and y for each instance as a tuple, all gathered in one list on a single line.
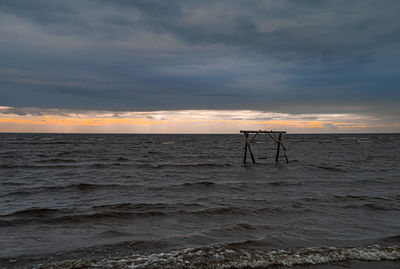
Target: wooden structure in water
[(276, 136)]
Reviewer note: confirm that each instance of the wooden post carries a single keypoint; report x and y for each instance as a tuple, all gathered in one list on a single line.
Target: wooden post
[(251, 153), (284, 151), (247, 145), (277, 149), (246, 135)]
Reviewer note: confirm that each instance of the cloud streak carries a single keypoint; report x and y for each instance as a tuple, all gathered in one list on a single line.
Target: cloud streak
[(182, 121)]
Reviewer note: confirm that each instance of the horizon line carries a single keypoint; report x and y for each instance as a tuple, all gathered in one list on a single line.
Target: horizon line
[(155, 133)]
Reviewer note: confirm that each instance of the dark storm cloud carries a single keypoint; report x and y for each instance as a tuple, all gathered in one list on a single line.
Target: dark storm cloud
[(293, 56)]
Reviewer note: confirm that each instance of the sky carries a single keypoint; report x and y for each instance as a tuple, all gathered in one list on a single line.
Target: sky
[(187, 66)]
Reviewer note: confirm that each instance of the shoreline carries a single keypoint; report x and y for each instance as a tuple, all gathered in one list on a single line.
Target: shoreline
[(214, 256)]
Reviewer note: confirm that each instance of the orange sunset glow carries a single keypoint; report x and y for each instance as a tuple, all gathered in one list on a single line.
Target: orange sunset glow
[(181, 121)]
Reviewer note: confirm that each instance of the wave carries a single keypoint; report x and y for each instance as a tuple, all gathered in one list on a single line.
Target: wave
[(63, 164), (363, 182), (225, 256), (218, 211), (112, 234), (184, 165), (72, 152), (239, 227), (56, 160), (107, 209), (242, 211), (104, 165), (129, 211), (154, 152), (330, 168), (143, 206), (112, 211), (70, 187), (39, 212), (91, 186), (58, 166), (50, 217), (45, 143), (118, 211), (283, 183), (106, 215), (122, 159), (359, 197), (373, 206), (60, 163), (348, 198), (17, 193), (197, 184)]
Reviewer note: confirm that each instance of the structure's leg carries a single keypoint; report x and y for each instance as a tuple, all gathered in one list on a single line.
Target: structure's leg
[(249, 142), (284, 151), (245, 146), (279, 145), (251, 153)]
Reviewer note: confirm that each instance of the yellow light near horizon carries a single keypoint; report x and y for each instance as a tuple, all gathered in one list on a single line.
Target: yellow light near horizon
[(46, 120), (292, 123), (67, 121), (179, 121)]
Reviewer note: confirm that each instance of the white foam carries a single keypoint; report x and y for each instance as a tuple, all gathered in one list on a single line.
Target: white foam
[(219, 256)]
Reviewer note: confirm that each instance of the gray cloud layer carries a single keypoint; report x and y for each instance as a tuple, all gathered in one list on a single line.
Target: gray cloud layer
[(288, 56)]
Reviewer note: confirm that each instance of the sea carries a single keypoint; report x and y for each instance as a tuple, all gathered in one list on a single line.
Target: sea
[(189, 201)]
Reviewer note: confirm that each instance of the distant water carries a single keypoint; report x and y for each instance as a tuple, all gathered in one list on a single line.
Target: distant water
[(189, 201)]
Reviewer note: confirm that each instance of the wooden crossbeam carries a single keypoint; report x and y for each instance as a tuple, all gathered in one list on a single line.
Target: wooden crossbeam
[(262, 132)]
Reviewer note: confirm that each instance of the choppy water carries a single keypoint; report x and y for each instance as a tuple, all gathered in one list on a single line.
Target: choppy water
[(188, 200)]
